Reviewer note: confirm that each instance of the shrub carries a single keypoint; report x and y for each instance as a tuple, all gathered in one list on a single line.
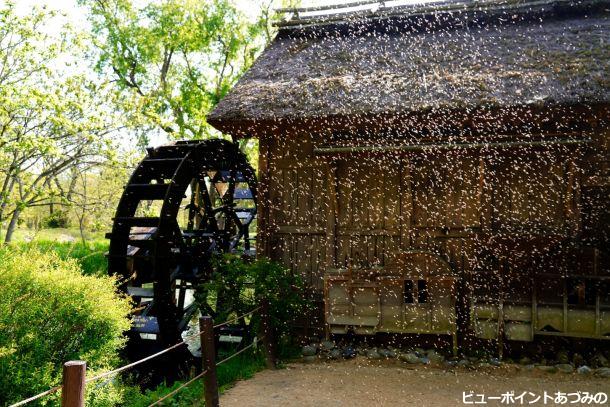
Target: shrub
[(90, 257), (51, 313), (58, 219), (237, 286)]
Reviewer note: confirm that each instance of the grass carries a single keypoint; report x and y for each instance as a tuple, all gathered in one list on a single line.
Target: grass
[(61, 235), (91, 256), (241, 367)]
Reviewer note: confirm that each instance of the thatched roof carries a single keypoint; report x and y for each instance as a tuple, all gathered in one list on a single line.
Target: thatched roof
[(498, 55)]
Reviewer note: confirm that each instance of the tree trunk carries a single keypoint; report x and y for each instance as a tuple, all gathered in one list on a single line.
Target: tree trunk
[(7, 189), (81, 227), (12, 226)]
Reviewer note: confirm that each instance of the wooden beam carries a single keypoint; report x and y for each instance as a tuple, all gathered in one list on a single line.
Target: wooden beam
[(298, 230), (431, 147)]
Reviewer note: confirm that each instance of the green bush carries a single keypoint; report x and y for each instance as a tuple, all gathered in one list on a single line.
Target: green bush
[(58, 219), (90, 257), (237, 286), (51, 313)]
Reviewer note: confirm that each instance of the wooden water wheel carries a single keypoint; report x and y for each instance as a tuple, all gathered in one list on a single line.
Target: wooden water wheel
[(184, 203)]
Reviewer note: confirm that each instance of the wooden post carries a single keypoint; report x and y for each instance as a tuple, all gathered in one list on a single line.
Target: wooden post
[(268, 335), (73, 390), (208, 355)]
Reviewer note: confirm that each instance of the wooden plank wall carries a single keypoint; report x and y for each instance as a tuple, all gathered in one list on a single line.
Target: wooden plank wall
[(298, 208), (362, 210)]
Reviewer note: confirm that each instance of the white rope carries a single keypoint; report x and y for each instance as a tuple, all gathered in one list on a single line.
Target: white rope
[(238, 352), (168, 395), (129, 366), (237, 318), (36, 397)]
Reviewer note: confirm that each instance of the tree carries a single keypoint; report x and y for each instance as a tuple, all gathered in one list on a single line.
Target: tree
[(177, 58), (50, 119), (92, 191)]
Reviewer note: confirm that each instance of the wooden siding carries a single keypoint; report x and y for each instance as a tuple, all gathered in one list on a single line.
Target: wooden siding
[(335, 211)]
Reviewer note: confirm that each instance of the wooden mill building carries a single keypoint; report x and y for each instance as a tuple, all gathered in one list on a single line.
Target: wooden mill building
[(438, 169)]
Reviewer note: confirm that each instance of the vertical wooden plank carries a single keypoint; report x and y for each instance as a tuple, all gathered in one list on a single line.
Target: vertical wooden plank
[(359, 206), (529, 203), (405, 204), (274, 195), (554, 201), (293, 192), (372, 249), (303, 196), (263, 218), (391, 198), (301, 257), (343, 194), (565, 304), (572, 198), (376, 181), (452, 189), (355, 255), (534, 306), (502, 185), (484, 195), (470, 204), (319, 264), (281, 250), (331, 216), (314, 258), (308, 258), (342, 251), (319, 197), (439, 197), (420, 221)]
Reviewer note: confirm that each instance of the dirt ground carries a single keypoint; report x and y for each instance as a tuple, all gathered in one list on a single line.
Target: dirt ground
[(359, 382)]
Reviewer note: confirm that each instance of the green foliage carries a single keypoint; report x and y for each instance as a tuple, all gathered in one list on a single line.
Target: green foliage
[(57, 235), (51, 121), (58, 219), (174, 60), (237, 286), (241, 367), (51, 313), (90, 258)]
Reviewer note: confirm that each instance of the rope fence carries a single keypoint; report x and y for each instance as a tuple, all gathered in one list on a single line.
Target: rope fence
[(200, 375), (74, 381), (36, 397), (238, 318), (174, 392), (136, 363), (236, 353)]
